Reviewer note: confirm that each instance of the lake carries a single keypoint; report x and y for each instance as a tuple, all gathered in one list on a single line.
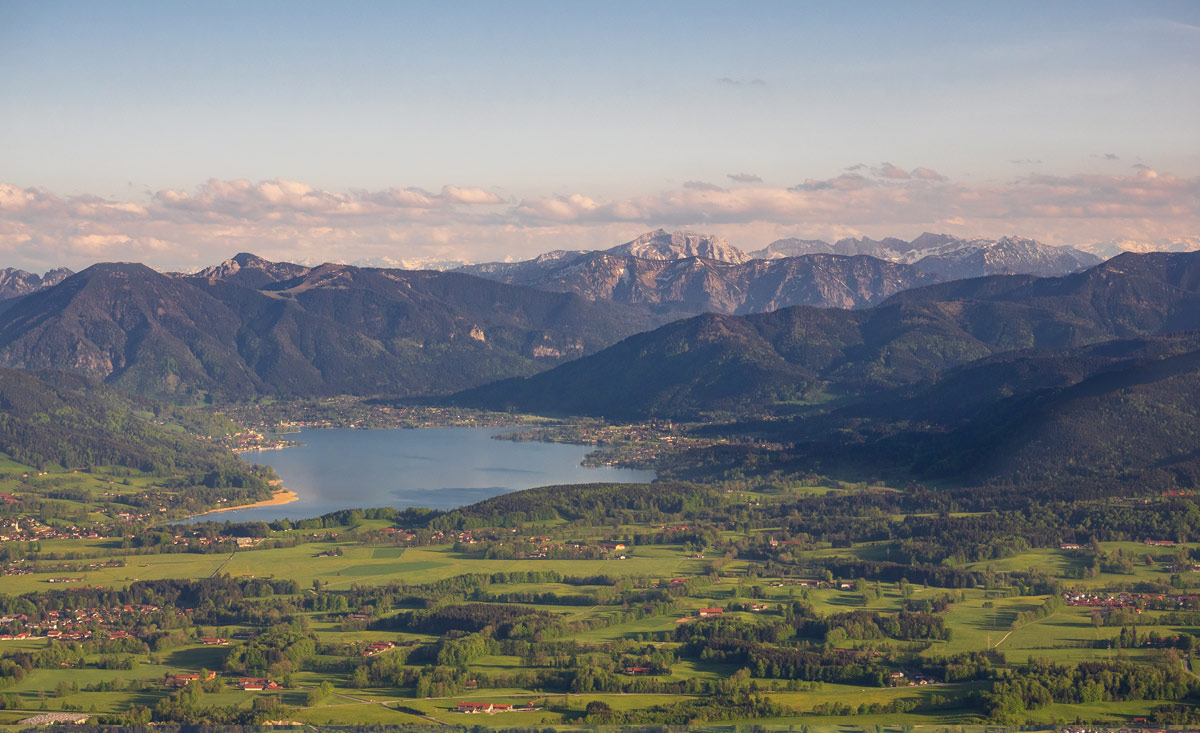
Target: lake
[(440, 468)]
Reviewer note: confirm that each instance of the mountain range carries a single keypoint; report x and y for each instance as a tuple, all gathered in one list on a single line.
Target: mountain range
[(250, 327), (721, 363), (1003, 379), (698, 273), (1076, 385), (15, 282), (948, 256)]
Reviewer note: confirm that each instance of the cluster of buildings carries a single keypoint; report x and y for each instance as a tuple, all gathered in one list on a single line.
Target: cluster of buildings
[(183, 680), (899, 679), (79, 624), (377, 647), (1135, 601), (493, 708), (27, 529), (257, 684)]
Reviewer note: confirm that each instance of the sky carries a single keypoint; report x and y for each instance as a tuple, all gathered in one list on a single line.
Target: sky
[(179, 134)]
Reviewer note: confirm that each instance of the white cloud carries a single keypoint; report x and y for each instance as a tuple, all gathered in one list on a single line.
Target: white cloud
[(457, 195), (281, 219)]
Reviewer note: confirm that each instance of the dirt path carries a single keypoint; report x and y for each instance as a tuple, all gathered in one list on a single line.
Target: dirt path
[(222, 565), (1031, 623)]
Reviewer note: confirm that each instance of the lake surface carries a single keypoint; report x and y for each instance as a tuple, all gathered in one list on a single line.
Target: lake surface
[(440, 468)]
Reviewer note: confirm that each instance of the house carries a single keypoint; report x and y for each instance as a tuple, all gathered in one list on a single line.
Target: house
[(474, 707), (637, 670), (377, 647), (705, 612), (251, 684), (214, 641), (183, 680), (756, 607)]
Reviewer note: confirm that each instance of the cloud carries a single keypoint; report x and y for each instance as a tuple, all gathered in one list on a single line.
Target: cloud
[(727, 81), (844, 182), (457, 195), (281, 219), (927, 174), (1025, 161), (887, 170), (1106, 156), (744, 178)]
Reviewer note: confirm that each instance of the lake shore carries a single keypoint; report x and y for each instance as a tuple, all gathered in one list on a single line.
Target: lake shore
[(282, 496)]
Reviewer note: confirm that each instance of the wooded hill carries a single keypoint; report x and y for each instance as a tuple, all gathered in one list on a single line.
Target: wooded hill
[(762, 362), (331, 330), (51, 419)]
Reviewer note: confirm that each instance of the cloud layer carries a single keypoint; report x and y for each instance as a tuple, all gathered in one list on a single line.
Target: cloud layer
[(283, 219)]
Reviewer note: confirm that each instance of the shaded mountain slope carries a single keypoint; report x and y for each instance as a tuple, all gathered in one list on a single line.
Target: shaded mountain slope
[(332, 329), (719, 363), (1126, 411)]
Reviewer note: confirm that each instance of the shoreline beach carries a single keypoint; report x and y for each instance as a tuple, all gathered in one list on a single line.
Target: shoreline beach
[(282, 496)]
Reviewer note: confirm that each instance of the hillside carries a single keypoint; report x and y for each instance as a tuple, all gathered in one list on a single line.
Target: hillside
[(14, 283), (752, 363), (333, 329), (1119, 416), (51, 418), (701, 285)]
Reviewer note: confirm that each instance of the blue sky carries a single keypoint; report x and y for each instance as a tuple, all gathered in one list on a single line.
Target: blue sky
[(621, 108)]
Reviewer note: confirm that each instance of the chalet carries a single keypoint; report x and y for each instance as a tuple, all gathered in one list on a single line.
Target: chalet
[(637, 670), (706, 612), (257, 684), (756, 607), (610, 546), (214, 641), (1070, 546), (1160, 543)]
